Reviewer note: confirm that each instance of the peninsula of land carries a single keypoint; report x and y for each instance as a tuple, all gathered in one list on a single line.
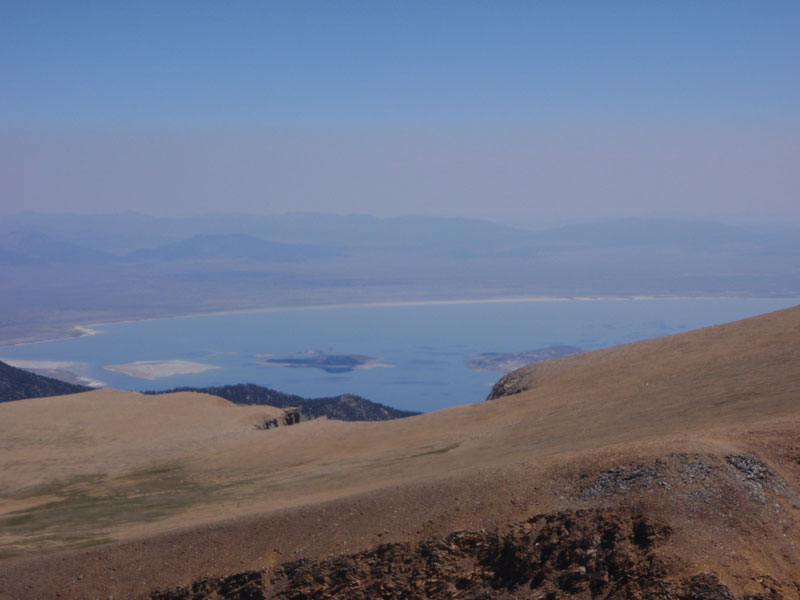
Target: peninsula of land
[(509, 361)]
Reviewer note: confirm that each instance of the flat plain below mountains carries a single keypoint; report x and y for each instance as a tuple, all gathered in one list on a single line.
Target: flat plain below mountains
[(59, 271), (668, 468)]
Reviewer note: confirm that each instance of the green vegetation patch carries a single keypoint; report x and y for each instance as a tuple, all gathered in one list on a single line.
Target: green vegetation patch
[(443, 450), (88, 506), (58, 487)]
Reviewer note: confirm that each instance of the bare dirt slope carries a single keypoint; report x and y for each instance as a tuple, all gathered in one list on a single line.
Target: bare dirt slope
[(74, 465), (680, 452)]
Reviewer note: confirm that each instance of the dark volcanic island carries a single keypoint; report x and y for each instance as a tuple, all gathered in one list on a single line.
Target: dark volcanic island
[(330, 363)]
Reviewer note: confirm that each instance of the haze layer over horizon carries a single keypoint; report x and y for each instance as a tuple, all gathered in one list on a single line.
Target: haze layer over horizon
[(532, 114)]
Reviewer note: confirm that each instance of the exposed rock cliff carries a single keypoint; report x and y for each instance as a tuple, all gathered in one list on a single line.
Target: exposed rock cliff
[(508, 385)]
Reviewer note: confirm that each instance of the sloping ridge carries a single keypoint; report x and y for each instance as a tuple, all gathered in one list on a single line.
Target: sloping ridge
[(667, 468), (17, 384), (106, 432), (345, 407)]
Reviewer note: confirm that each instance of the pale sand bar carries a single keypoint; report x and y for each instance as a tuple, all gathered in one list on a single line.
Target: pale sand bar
[(153, 369)]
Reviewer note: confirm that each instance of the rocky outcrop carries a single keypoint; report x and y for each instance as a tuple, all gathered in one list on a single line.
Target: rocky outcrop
[(508, 385), (615, 551), (574, 554), (291, 416)]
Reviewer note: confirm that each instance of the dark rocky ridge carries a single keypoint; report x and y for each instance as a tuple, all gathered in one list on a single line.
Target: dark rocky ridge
[(345, 407), (570, 554), (291, 416), (19, 384), (508, 385)]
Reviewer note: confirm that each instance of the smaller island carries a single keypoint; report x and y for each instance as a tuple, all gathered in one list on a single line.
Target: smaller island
[(330, 363), (505, 362), (154, 369)]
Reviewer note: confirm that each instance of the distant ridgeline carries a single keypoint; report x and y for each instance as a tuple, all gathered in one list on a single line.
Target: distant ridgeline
[(343, 408), (18, 384)]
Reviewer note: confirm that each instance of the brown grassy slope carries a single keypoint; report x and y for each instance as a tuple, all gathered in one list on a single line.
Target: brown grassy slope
[(75, 466), (324, 488), (106, 432)]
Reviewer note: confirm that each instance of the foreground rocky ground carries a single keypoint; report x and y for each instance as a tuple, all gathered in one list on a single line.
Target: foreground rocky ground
[(567, 552), (610, 552), (664, 469)]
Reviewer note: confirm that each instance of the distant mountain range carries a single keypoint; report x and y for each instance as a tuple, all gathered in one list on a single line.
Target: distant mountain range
[(35, 248), (232, 246), (125, 232), (32, 238)]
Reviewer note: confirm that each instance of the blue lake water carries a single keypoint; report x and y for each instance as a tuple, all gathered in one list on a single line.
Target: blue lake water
[(425, 345)]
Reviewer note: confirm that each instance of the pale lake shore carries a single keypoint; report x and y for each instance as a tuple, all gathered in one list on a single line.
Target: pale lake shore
[(48, 332)]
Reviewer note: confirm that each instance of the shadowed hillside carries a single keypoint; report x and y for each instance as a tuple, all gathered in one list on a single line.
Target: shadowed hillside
[(667, 468), (346, 407), (17, 384)]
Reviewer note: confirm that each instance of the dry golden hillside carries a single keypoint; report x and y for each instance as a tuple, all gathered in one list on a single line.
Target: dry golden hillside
[(669, 468)]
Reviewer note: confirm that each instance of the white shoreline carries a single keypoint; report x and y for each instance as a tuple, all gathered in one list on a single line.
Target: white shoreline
[(460, 301), (89, 329), (25, 363), (51, 369)]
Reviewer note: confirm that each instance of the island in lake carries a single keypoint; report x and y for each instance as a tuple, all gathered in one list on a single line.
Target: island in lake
[(330, 363), (509, 361), (154, 369)]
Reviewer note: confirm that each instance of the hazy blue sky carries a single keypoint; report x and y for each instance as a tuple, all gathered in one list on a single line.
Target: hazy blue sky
[(527, 112)]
